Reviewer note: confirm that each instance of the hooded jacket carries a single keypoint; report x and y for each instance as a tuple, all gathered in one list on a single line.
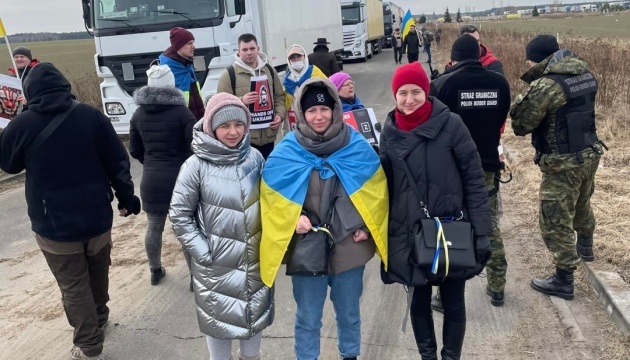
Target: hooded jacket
[(294, 79), (324, 60), (160, 136), (446, 168), (70, 177), (483, 109), (411, 43), (185, 80), (487, 59), (215, 212), (243, 74)]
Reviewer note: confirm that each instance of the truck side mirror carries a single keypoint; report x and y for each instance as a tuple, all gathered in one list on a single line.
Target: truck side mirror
[(239, 7), (87, 13)]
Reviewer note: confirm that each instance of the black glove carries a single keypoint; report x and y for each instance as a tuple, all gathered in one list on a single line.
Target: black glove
[(132, 206), (377, 126), (483, 250)]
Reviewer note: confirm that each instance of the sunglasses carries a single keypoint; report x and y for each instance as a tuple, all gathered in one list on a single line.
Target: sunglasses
[(468, 29)]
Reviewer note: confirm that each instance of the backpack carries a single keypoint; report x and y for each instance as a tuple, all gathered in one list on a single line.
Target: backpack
[(230, 70)]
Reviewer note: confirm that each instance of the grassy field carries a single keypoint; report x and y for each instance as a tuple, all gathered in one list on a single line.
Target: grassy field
[(594, 26)]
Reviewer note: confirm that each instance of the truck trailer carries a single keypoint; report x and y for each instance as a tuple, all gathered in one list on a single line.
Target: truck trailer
[(392, 16), (363, 31), (131, 34)]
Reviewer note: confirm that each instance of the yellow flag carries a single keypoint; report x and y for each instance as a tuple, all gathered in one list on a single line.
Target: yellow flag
[(3, 32)]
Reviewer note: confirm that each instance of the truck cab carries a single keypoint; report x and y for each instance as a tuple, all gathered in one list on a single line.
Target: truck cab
[(363, 32), (130, 35)]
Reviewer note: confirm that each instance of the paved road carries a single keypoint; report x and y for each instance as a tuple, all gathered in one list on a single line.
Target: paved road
[(160, 323)]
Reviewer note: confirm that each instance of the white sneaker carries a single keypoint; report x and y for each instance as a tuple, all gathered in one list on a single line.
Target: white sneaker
[(77, 354)]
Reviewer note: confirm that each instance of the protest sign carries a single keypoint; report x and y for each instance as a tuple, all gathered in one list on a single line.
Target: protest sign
[(262, 108), (10, 89), (363, 120)]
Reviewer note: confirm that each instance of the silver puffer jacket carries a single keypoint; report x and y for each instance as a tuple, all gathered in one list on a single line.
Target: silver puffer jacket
[(215, 213)]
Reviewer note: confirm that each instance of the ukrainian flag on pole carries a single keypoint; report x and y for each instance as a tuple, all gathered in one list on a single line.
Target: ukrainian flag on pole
[(3, 32), (407, 21)]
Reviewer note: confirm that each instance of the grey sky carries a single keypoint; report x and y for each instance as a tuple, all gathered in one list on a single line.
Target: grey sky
[(66, 15)]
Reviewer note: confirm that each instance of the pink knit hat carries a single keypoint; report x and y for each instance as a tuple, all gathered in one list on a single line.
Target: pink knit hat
[(218, 102), (339, 78)]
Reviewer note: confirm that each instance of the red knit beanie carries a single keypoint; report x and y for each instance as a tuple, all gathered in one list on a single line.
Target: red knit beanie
[(410, 74), (180, 37)]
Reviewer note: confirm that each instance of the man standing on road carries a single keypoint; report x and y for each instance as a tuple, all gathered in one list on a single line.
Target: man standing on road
[(24, 62), (427, 38), (397, 43), (411, 45), (558, 109), (323, 59), (178, 57), (482, 99), (73, 158), (488, 60), (265, 101), (438, 34)]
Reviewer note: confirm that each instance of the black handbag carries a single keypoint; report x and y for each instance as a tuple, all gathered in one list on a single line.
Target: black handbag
[(308, 254), (441, 243)]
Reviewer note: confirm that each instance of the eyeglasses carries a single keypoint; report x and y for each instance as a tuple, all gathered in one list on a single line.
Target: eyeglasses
[(351, 83), (468, 29)]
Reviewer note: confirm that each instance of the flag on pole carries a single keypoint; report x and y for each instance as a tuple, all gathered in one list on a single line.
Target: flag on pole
[(406, 23), (3, 32)]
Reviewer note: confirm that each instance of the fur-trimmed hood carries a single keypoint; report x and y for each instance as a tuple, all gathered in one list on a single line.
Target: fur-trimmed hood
[(149, 95)]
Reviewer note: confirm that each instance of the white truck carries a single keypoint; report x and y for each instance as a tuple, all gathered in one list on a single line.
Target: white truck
[(363, 31), (131, 34)]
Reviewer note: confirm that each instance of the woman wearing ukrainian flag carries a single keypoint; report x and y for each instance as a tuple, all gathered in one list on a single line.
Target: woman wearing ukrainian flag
[(324, 159)]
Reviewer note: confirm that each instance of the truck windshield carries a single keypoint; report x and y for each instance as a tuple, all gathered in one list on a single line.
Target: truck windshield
[(137, 13), (351, 15)]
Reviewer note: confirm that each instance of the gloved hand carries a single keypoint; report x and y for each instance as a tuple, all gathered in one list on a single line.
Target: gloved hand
[(378, 126), (483, 250), (133, 206)]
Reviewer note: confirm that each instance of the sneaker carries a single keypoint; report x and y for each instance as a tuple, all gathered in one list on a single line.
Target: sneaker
[(77, 354), (157, 275)]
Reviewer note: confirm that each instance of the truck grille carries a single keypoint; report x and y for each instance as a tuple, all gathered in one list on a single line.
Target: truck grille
[(348, 38), (142, 62)]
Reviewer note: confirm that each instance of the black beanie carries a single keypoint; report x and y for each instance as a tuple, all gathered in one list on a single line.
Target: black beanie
[(465, 47), (23, 51), (316, 95), (541, 47)]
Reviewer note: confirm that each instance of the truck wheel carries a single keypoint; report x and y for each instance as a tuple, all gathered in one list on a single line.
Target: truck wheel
[(366, 54), (378, 46), (371, 53)]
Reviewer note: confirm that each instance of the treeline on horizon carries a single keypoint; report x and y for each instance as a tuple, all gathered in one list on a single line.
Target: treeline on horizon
[(46, 36)]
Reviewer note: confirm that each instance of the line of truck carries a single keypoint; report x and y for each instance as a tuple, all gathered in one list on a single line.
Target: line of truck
[(129, 36)]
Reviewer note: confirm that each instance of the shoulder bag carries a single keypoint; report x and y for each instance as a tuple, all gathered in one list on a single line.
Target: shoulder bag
[(308, 254)]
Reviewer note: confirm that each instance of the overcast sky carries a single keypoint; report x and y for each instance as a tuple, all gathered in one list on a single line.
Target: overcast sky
[(66, 15)]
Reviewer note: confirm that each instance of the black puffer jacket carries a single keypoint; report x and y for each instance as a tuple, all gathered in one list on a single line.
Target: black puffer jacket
[(160, 137), (445, 164), (69, 178)]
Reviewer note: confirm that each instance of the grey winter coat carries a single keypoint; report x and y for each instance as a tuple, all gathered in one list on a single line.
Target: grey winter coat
[(215, 213)]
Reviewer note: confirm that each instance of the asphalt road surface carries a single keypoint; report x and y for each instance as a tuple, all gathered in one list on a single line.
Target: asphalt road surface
[(159, 322)]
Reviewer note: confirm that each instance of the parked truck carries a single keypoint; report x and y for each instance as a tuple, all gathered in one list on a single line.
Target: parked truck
[(131, 34), (392, 17), (363, 32)]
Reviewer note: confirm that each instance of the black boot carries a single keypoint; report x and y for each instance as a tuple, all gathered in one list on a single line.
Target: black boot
[(424, 333), (157, 275), (436, 303), (585, 248), (496, 298), (452, 340), (560, 284)]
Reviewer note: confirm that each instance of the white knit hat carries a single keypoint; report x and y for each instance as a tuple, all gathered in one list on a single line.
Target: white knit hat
[(160, 76)]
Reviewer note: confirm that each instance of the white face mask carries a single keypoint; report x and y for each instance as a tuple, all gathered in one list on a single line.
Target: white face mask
[(298, 65)]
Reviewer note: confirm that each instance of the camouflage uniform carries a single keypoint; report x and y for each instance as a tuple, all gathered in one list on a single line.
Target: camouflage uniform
[(567, 183), (497, 265)]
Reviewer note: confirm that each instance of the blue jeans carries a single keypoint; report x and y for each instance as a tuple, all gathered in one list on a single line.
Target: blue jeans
[(309, 293)]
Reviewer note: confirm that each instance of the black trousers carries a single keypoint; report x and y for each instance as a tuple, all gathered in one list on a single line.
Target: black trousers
[(452, 295), (412, 57), (265, 150), (397, 54)]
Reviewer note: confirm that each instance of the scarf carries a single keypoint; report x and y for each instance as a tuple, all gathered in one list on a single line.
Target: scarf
[(409, 122), (291, 85), (351, 104)]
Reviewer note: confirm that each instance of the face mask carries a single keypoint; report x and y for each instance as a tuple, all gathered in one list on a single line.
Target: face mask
[(298, 65)]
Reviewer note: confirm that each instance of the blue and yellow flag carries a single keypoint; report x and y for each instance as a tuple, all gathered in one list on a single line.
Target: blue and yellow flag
[(407, 21), (284, 184)]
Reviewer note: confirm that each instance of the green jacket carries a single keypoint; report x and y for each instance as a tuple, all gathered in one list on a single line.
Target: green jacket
[(544, 96)]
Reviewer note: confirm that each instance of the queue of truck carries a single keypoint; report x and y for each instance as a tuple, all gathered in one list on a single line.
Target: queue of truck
[(130, 35)]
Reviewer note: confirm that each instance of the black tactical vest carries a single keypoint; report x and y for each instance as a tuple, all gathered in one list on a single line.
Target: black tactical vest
[(575, 121)]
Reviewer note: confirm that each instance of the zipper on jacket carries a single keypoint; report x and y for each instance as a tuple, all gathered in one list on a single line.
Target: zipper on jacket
[(44, 201)]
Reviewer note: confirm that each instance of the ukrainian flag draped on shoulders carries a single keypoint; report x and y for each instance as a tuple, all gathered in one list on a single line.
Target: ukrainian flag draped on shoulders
[(285, 180), (291, 85)]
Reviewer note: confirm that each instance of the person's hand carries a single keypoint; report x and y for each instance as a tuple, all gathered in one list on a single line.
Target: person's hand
[(360, 235), (275, 124), (250, 98), (123, 212), (133, 206), (21, 99), (304, 225)]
